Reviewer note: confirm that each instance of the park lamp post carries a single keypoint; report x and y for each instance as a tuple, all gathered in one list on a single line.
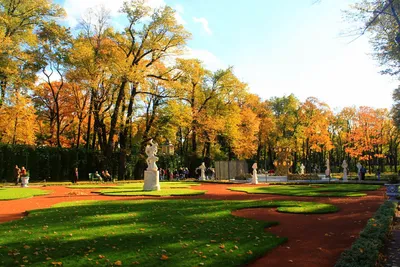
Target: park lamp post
[(167, 148)]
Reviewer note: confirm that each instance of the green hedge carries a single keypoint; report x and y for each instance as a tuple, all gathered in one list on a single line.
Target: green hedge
[(365, 250), (52, 163)]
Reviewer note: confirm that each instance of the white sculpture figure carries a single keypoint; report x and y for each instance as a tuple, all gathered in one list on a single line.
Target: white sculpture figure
[(328, 168), (344, 166), (151, 175), (302, 167), (151, 151), (359, 166), (254, 179), (202, 168)]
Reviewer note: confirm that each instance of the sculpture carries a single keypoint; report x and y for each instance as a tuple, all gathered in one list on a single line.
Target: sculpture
[(328, 168), (151, 151), (202, 168), (254, 179), (359, 166), (302, 167), (151, 175), (344, 166)]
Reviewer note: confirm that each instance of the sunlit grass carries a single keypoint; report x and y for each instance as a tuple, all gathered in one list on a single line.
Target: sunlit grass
[(141, 192), (315, 190), (143, 232), (17, 193), (135, 185)]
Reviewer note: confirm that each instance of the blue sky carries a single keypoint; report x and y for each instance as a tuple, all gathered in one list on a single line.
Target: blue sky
[(277, 47)]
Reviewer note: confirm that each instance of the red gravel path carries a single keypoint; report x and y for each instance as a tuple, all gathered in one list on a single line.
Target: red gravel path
[(314, 240)]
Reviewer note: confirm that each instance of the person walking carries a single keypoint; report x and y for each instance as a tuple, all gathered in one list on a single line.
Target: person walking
[(76, 175), (17, 174)]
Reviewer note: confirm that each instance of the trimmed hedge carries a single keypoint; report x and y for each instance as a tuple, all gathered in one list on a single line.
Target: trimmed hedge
[(365, 250), (52, 163)]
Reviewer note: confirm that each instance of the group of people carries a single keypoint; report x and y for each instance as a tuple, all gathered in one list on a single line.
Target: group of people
[(177, 174), (104, 176), (18, 173)]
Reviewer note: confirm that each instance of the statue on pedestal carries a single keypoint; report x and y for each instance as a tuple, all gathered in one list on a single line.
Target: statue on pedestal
[(359, 166), (344, 166), (302, 168), (151, 175), (254, 179), (328, 169), (202, 168)]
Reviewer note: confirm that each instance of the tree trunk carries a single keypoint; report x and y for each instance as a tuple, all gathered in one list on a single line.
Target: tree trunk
[(109, 147)]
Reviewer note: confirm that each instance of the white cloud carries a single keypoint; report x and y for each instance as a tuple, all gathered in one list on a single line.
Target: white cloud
[(76, 8), (210, 61), (204, 23), (179, 10)]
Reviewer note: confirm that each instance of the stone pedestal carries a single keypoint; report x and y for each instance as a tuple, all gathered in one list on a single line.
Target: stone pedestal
[(254, 179), (151, 181), (345, 176)]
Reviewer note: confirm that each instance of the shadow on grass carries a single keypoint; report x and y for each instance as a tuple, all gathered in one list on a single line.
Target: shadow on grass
[(186, 232)]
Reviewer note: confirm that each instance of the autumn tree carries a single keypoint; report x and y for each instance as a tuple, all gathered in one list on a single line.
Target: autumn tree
[(18, 25), (313, 134)]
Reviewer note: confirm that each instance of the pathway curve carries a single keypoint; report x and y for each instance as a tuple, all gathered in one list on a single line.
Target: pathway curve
[(314, 240)]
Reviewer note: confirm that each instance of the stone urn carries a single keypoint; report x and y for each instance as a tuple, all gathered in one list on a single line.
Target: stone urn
[(24, 181), (392, 191)]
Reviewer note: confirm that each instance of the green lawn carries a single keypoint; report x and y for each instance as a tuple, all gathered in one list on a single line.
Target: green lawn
[(136, 189), (17, 193), (144, 232), (135, 185), (162, 192), (315, 190)]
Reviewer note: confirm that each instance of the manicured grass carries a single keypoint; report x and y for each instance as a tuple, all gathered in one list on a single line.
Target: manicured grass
[(162, 192), (315, 190), (167, 189), (17, 193), (135, 185), (144, 232)]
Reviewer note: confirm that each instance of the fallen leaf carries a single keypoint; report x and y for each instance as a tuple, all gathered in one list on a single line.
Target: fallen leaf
[(164, 257), (58, 263), (118, 263)]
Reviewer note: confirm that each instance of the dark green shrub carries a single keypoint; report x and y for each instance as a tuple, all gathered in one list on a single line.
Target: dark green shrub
[(365, 250), (243, 176)]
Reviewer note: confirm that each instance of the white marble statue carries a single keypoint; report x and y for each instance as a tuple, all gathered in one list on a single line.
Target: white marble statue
[(302, 168), (254, 179), (151, 175), (151, 151), (328, 168), (202, 168), (359, 166), (344, 166)]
